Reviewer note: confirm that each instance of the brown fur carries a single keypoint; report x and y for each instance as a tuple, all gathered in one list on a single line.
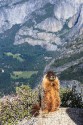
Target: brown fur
[(51, 100), (35, 110)]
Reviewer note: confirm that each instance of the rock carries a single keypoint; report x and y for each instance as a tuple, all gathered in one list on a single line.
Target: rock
[(50, 25), (48, 41), (67, 116), (51, 22)]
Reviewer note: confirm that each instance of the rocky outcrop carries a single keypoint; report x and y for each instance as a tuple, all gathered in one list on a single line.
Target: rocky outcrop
[(67, 116), (50, 25), (34, 37)]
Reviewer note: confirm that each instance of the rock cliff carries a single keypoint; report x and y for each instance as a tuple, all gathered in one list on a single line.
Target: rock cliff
[(42, 22)]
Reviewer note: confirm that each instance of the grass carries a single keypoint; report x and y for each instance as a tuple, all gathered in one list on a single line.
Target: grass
[(22, 74), (15, 56)]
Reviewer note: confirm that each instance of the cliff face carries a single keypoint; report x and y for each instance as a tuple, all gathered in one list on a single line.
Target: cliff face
[(62, 116), (42, 22)]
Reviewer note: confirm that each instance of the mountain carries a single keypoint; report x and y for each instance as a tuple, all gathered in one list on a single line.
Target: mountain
[(42, 23), (38, 35)]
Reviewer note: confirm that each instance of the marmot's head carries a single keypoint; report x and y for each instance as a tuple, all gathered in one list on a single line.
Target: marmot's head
[(50, 76)]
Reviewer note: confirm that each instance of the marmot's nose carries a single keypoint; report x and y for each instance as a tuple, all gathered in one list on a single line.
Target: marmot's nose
[(52, 78)]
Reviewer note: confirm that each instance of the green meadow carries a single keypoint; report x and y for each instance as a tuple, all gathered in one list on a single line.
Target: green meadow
[(15, 56), (23, 74)]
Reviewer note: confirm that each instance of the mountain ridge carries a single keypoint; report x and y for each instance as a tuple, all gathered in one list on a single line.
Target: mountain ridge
[(42, 17)]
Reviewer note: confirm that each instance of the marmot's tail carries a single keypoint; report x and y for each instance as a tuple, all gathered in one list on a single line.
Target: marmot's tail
[(36, 107), (35, 110)]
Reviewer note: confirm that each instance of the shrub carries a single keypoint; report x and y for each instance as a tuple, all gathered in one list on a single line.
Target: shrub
[(70, 98), (16, 108)]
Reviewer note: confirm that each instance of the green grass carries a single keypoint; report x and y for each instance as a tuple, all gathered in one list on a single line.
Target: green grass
[(15, 56), (22, 74)]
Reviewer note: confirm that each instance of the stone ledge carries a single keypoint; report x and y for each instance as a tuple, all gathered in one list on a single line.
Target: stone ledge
[(64, 116)]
